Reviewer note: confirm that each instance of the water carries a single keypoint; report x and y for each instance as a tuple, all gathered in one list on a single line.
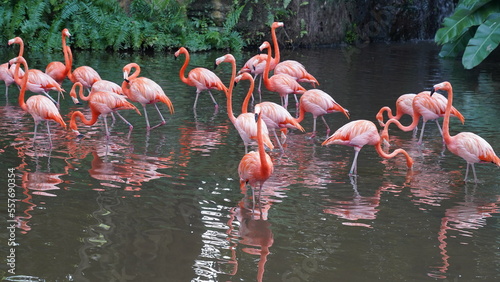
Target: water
[(166, 206)]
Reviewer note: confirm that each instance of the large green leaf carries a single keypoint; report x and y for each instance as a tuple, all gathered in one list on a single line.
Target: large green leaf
[(485, 40), (460, 22), (457, 47)]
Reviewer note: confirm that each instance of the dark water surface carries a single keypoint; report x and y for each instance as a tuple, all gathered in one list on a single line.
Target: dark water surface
[(166, 206)]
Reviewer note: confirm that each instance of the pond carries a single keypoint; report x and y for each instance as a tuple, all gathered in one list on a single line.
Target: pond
[(167, 205)]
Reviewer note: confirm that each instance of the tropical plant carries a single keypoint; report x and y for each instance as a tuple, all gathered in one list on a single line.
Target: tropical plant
[(473, 30)]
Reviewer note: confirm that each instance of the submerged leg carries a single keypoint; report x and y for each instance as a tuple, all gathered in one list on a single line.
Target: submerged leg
[(161, 116), (327, 127), (196, 99), (146, 116), (213, 99), (354, 167)]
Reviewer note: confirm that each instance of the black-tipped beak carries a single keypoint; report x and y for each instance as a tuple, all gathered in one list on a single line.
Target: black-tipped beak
[(215, 66), (256, 117), (126, 80), (433, 90)]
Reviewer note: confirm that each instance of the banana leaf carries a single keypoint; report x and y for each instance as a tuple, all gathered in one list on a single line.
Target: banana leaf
[(485, 40), (457, 47)]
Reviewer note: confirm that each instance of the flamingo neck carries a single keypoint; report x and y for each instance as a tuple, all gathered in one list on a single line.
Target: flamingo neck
[(136, 72), (380, 151), (229, 93), (447, 114), (264, 165), (244, 106), (276, 59), (80, 92), (415, 120), (69, 63), (265, 76), (184, 66), (380, 114), (74, 115), (23, 83), (302, 113), (66, 56)]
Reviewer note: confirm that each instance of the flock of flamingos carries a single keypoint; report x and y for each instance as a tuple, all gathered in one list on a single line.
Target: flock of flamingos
[(106, 97)]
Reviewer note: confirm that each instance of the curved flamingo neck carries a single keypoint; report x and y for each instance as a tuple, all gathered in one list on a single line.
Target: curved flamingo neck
[(23, 83), (80, 92), (414, 123), (244, 106), (302, 113), (136, 72), (229, 93), (65, 52), (21, 48), (265, 76), (276, 59), (69, 63), (74, 115), (447, 114), (380, 151), (184, 66), (380, 114), (264, 166)]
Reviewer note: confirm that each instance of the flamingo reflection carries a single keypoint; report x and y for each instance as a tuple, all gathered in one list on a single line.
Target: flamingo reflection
[(464, 217)]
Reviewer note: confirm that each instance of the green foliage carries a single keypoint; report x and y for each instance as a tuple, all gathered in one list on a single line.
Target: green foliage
[(144, 25), (473, 31)]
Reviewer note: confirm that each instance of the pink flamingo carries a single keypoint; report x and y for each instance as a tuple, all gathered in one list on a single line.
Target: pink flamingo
[(38, 81), (257, 63), (404, 106), (276, 116), (318, 103), (201, 78), (40, 107), (429, 108), (245, 122), (58, 70), (87, 98), (283, 84), (256, 167), (467, 145), (101, 103), (144, 91), (359, 133), (297, 71), (86, 75)]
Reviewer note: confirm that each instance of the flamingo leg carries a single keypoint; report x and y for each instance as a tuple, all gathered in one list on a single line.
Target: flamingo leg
[(213, 99), (439, 127), (354, 167), (421, 133), (106, 125), (260, 83), (7, 91), (146, 115), (278, 140), (34, 134), (196, 99), (296, 101), (474, 172), (161, 116), (314, 128), (48, 130), (51, 99), (130, 126), (326, 124)]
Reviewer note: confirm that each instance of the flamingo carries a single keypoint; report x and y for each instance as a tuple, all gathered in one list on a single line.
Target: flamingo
[(38, 81), (144, 91), (100, 85), (246, 76), (86, 75), (245, 122), (256, 167), (429, 108), (40, 107), (284, 84), (87, 98), (467, 145), (403, 106), (276, 116), (359, 133), (101, 103), (297, 71), (318, 103), (57, 70), (257, 63), (201, 78), (7, 76)]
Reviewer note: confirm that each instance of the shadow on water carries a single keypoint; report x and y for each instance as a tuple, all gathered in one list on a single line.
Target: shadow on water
[(167, 205)]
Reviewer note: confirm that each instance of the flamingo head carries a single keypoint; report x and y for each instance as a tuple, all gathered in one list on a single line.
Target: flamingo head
[(445, 85), (66, 33), (181, 50), (228, 58), (264, 45), (276, 25), (15, 40)]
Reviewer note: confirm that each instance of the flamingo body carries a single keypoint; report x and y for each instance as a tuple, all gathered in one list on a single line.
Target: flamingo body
[(201, 78), (404, 105), (467, 145), (359, 133), (318, 103), (297, 71), (144, 91)]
